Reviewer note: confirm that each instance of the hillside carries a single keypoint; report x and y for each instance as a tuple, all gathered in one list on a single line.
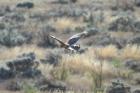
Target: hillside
[(108, 60)]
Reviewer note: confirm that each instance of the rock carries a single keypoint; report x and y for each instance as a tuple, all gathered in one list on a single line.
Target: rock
[(137, 3), (133, 65), (25, 5), (118, 87)]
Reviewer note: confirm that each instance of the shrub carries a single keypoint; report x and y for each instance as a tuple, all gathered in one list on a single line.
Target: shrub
[(25, 5), (53, 56), (123, 4), (11, 38), (2, 26)]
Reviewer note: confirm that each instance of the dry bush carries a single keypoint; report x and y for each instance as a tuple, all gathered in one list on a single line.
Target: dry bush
[(76, 82), (46, 70), (44, 40), (107, 52), (120, 34), (84, 63), (8, 2), (111, 52), (67, 23), (131, 52), (11, 53), (123, 4)]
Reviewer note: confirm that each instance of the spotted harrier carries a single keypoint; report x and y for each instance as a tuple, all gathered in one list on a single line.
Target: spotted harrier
[(71, 42)]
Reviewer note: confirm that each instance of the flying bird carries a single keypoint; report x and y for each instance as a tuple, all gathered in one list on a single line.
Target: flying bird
[(71, 42)]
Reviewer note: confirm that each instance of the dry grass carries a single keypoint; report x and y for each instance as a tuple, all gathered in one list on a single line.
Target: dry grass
[(111, 52), (11, 53), (64, 23), (107, 52), (46, 70), (77, 82), (84, 63), (8, 2), (120, 34), (131, 52)]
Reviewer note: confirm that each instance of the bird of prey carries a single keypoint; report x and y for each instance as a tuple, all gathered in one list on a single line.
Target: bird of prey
[(71, 42)]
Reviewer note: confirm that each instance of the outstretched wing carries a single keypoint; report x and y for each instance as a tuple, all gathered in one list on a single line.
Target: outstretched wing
[(60, 41), (73, 40)]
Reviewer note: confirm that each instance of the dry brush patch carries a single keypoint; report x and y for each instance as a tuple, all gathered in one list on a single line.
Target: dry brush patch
[(111, 52), (67, 23), (11, 53), (84, 63), (107, 52), (131, 52)]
